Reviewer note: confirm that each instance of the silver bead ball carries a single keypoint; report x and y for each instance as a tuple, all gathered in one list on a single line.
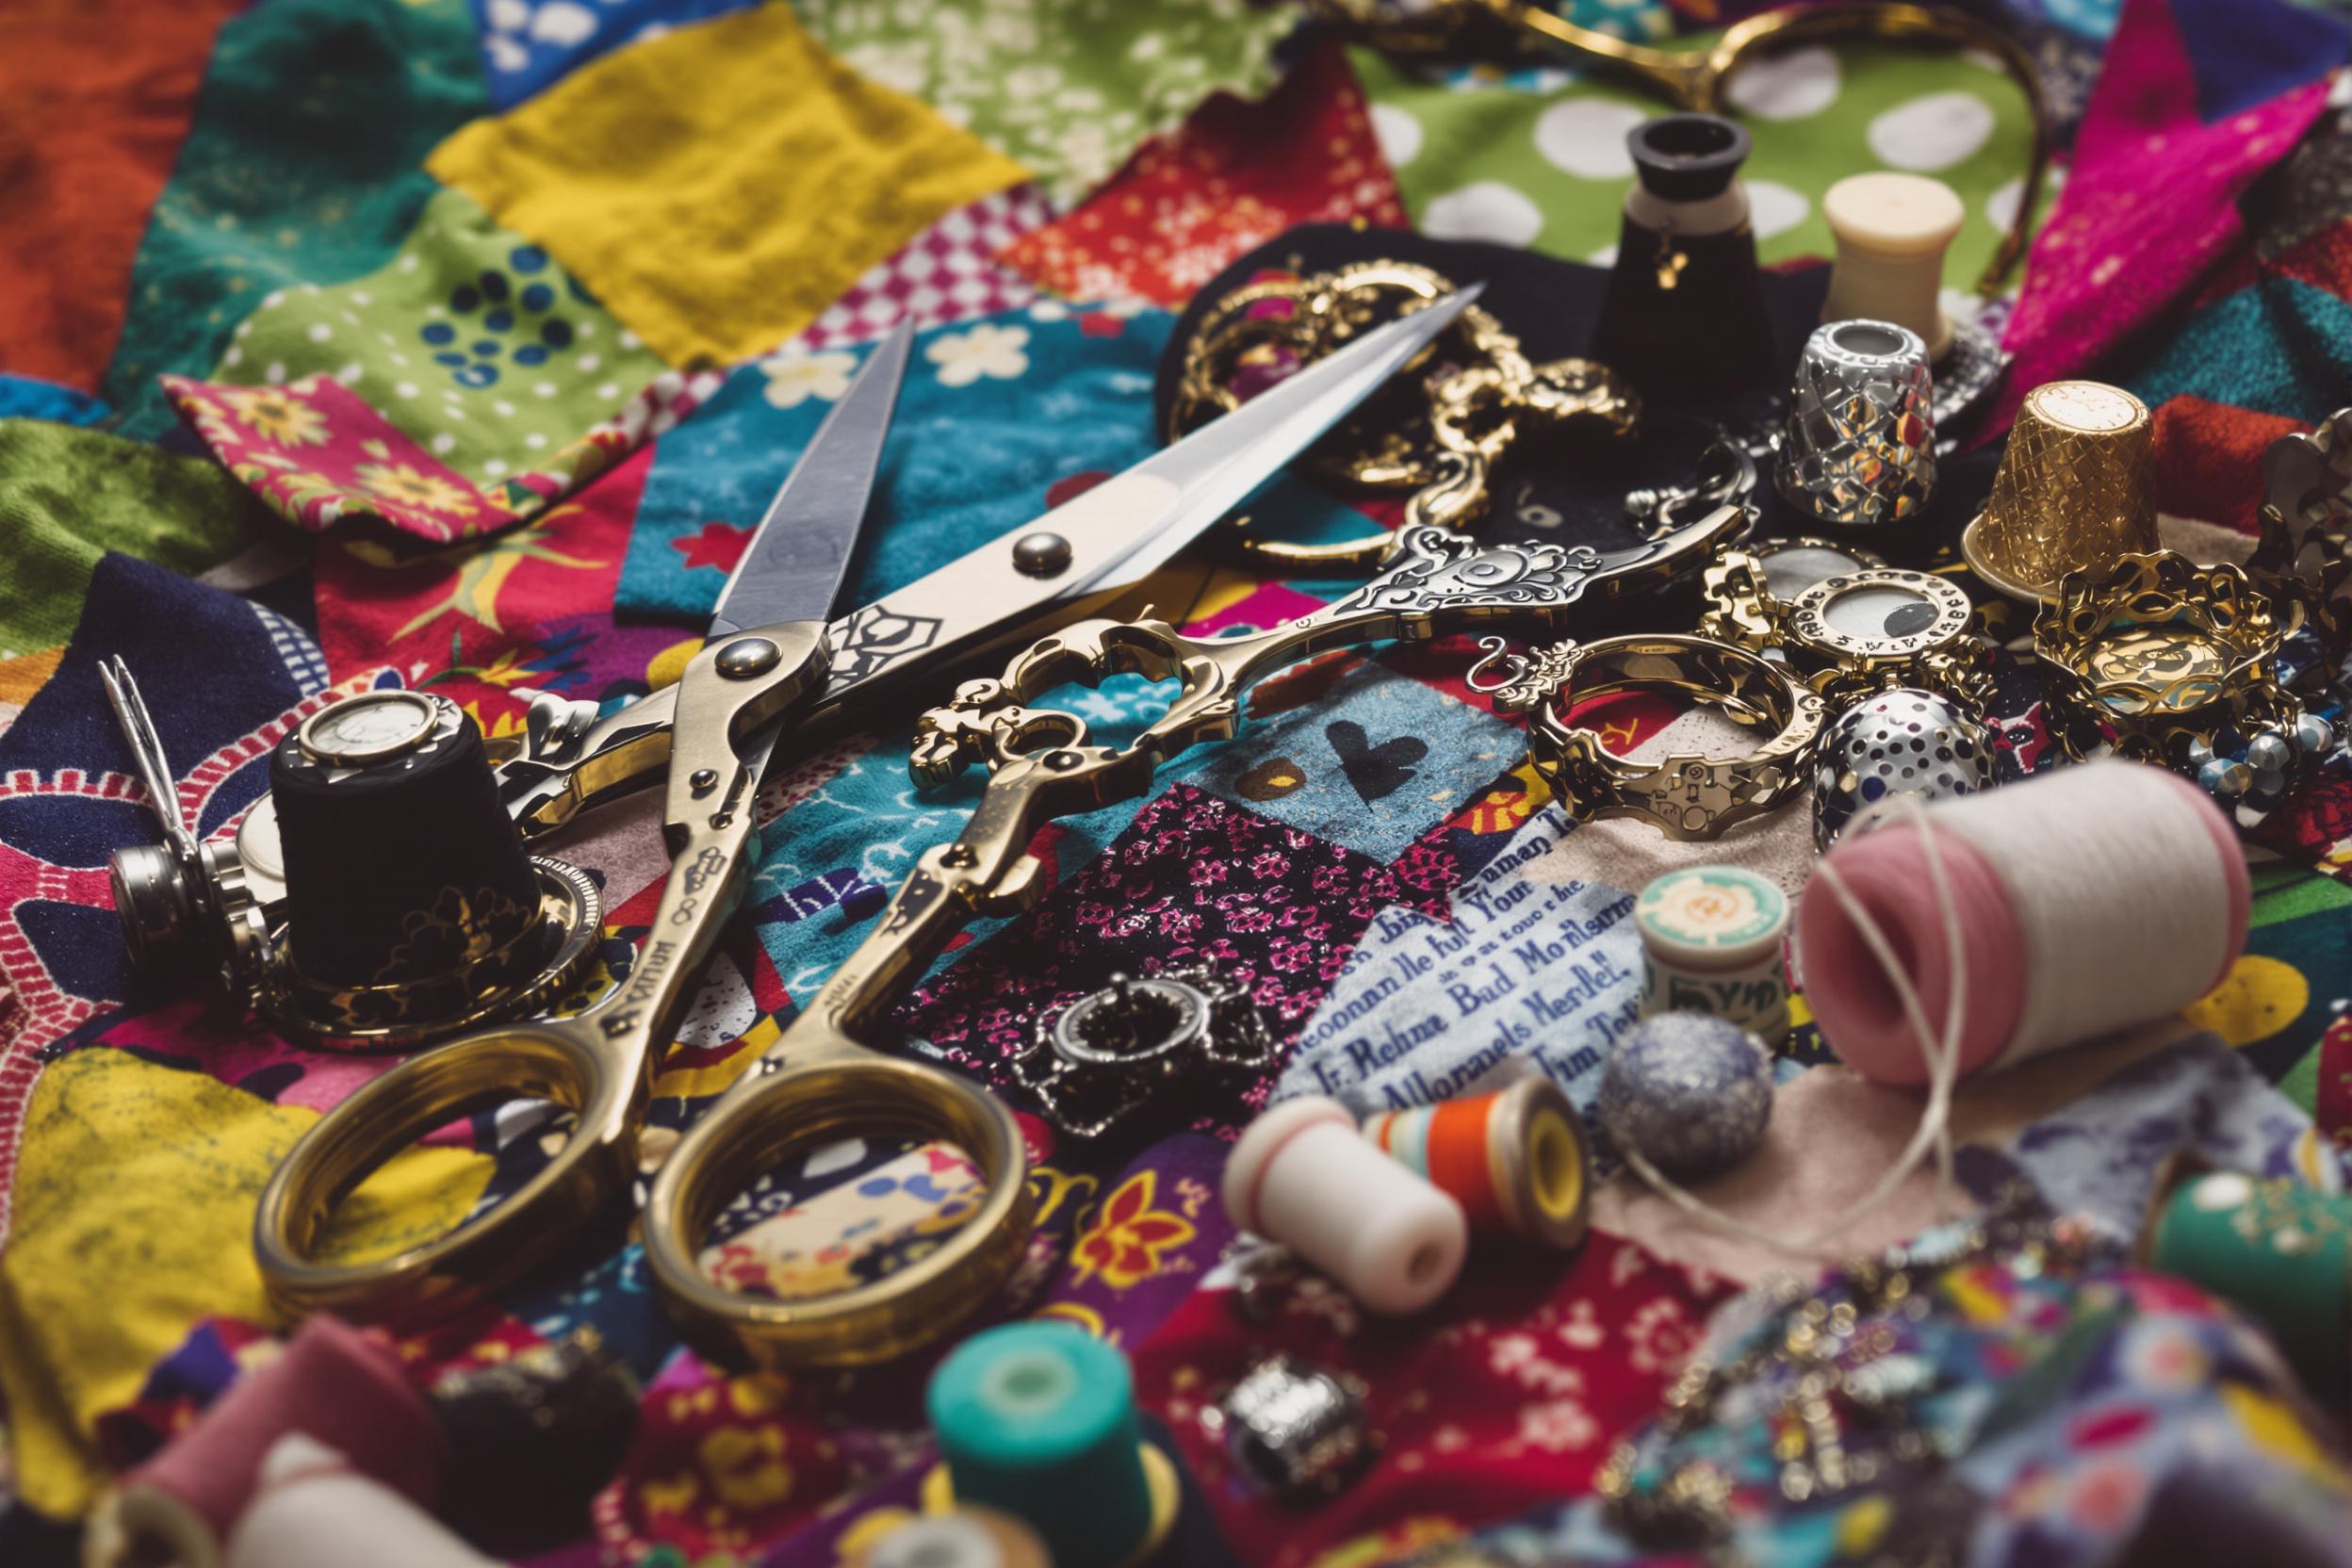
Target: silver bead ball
[(1898, 742), (2269, 753), (2313, 735), (1690, 1090)]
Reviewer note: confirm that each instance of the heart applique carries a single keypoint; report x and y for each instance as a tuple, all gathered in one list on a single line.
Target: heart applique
[(1270, 781), (1376, 771)]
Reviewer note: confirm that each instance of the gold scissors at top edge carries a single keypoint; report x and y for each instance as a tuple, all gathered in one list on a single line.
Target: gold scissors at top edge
[(773, 663), (1695, 79)]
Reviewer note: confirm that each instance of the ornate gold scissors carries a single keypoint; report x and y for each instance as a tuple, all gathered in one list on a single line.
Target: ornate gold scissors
[(773, 663)]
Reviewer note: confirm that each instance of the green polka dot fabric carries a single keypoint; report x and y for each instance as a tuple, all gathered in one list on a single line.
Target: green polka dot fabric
[(1537, 157), (1067, 87), (306, 162), (471, 341)]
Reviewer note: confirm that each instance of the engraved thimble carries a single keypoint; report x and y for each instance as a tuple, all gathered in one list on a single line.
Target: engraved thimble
[(1858, 450), (2074, 492)]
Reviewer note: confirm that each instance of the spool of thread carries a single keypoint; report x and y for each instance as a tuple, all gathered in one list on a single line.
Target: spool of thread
[(1302, 1176), (533, 1438), (1892, 231), (1711, 944), (400, 860), (1515, 1161), (1038, 1420), (2279, 1252), (967, 1538), (2090, 898), (331, 1382), (313, 1507)]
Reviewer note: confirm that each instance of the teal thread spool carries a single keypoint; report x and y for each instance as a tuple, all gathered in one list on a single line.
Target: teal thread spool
[(1039, 1420)]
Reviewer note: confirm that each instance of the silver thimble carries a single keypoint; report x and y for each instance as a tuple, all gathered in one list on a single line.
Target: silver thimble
[(1859, 448)]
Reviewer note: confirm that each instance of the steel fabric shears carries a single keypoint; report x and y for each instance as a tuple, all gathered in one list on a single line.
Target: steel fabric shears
[(1695, 78), (772, 663)]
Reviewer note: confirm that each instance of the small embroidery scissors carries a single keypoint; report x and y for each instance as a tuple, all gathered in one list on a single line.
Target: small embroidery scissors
[(772, 663)]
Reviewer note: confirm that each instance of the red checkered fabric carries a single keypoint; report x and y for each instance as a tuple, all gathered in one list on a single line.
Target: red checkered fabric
[(945, 273)]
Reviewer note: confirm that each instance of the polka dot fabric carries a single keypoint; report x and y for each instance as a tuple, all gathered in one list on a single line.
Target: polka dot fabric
[(1537, 157), (472, 342)]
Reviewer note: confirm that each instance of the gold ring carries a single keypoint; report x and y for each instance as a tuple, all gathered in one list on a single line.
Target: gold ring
[(1686, 796)]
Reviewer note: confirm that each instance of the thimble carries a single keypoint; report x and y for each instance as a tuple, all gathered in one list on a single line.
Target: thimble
[(1859, 448), (2073, 493), (401, 863)]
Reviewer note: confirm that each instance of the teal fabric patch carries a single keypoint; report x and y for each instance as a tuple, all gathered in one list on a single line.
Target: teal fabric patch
[(1001, 418), (2280, 347), (305, 166), (28, 398)]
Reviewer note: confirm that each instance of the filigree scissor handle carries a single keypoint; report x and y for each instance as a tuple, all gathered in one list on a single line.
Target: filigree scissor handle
[(1443, 583)]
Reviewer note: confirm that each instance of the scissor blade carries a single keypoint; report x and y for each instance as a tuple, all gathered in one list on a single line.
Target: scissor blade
[(1118, 533), (1222, 463), (1127, 526), (791, 568)]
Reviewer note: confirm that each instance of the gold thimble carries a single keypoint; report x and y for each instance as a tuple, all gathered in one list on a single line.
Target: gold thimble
[(2074, 492)]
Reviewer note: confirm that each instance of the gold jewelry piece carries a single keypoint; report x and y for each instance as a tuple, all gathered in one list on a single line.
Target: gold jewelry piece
[(1856, 630), (1749, 587), (1688, 796), (2159, 653), (1472, 393)]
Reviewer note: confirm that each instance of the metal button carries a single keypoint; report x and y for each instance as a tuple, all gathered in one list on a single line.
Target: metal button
[(747, 657), (1042, 554)]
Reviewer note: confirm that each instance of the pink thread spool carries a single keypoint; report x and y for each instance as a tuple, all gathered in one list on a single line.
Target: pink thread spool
[(330, 1382), (2096, 897)]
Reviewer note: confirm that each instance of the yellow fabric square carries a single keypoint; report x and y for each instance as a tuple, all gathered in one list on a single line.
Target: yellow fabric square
[(134, 1218), (720, 186)]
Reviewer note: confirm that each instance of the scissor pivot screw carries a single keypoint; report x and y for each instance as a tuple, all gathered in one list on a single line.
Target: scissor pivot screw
[(747, 657), (1062, 762), (704, 780), (1042, 554)]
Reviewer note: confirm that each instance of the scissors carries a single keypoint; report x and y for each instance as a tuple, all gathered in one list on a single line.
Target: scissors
[(1695, 79), (773, 663)]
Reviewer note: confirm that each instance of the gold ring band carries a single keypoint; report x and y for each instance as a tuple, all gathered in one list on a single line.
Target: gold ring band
[(1685, 795)]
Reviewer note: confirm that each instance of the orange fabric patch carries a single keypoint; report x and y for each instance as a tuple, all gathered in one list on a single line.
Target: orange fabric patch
[(96, 96)]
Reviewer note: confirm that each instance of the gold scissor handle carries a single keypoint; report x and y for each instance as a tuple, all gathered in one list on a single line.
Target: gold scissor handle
[(567, 1061), (598, 1064), (847, 1092), (817, 1084)]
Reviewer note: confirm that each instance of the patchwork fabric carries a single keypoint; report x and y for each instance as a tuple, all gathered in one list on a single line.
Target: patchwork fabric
[(701, 140), (1537, 157), (2076, 1406), (1192, 879), (1067, 87), (473, 342), (999, 421), (943, 274), (96, 97), (2150, 198), (1232, 177), (1545, 1361), (319, 453), (279, 184), (528, 44), (109, 1191), (69, 495)]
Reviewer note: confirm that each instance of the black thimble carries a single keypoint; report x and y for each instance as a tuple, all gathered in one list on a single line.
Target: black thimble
[(401, 865), (1687, 158)]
